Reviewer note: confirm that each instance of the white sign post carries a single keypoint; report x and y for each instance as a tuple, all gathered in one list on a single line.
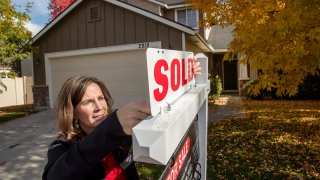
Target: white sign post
[(177, 100)]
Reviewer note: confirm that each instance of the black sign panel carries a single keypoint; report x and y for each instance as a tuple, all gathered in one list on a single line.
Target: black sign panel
[(184, 161)]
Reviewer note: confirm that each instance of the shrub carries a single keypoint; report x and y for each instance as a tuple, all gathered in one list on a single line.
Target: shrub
[(264, 93), (215, 86), (12, 74), (309, 89), (3, 75)]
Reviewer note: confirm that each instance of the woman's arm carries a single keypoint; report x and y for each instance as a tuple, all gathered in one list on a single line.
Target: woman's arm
[(75, 161), (79, 159)]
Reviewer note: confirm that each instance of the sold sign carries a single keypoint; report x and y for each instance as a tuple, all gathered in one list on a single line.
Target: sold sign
[(179, 162), (170, 74)]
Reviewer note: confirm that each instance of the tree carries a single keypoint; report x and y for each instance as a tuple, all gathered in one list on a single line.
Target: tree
[(58, 6), (280, 38), (14, 36)]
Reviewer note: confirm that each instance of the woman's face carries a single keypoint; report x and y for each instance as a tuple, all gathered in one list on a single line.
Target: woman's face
[(92, 109)]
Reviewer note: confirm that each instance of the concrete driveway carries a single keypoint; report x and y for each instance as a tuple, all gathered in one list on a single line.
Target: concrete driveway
[(24, 144)]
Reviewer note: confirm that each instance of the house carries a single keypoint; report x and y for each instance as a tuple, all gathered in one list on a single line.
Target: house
[(232, 73), (89, 28)]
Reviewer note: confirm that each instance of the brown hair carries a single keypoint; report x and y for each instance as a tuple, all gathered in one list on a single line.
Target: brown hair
[(69, 96)]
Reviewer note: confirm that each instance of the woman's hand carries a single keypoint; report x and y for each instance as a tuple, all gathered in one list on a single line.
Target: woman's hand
[(196, 68), (131, 114)]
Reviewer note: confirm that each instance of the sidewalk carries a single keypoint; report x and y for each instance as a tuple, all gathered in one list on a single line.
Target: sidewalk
[(24, 144), (227, 106)]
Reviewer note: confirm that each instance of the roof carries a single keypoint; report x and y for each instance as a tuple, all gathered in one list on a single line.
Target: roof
[(124, 5), (170, 4), (220, 38)]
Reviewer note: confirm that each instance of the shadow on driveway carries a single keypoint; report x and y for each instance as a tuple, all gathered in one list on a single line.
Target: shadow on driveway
[(24, 144)]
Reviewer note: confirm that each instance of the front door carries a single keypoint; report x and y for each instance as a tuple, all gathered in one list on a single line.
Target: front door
[(230, 75)]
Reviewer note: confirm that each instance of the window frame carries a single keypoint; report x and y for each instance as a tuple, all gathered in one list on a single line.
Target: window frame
[(186, 9)]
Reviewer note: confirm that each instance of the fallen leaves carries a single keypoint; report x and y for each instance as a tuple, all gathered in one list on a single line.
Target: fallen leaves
[(274, 139)]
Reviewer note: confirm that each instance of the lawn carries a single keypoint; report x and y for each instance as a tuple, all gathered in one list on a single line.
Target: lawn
[(12, 112), (275, 139)]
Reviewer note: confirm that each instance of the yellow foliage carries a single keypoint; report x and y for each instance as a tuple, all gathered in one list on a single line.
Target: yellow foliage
[(278, 37)]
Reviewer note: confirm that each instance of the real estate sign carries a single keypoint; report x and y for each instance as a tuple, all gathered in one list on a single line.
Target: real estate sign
[(179, 112), (170, 74), (184, 161)]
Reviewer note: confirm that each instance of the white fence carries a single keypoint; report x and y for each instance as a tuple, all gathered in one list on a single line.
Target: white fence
[(18, 92)]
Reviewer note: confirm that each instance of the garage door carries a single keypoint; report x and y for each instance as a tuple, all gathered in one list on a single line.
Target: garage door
[(124, 73)]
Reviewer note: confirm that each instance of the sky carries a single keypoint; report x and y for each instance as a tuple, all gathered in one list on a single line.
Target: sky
[(39, 13)]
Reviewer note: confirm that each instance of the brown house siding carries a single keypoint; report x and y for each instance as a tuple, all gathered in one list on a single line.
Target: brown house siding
[(116, 26), (169, 14), (152, 30), (141, 28), (190, 46)]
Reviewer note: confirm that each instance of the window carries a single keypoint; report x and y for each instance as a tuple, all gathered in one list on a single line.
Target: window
[(188, 17)]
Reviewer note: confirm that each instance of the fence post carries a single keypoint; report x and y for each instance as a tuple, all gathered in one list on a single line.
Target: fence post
[(24, 90)]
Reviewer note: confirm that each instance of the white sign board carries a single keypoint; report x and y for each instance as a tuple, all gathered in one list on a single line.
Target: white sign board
[(170, 74), (166, 138)]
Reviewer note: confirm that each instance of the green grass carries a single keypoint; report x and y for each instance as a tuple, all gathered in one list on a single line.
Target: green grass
[(149, 171), (12, 115), (13, 112)]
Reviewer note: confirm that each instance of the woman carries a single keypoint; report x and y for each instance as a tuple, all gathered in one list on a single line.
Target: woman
[(93, 140)]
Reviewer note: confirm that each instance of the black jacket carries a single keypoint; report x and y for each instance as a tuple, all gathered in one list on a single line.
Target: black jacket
[(82, 160)]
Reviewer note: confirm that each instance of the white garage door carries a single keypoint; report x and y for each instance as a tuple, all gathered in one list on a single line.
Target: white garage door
[(124, 73)]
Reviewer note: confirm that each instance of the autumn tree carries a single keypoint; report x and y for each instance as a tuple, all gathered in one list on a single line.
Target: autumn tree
[(280, 38), (58, 6), (13, 35)]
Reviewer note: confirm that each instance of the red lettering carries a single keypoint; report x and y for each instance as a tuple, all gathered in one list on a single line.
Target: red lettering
[(161, 79), (184, 80), (175, 74), (180, 161), (176, 168)]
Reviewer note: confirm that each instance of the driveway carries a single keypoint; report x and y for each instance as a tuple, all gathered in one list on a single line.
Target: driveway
[(24, 144)]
